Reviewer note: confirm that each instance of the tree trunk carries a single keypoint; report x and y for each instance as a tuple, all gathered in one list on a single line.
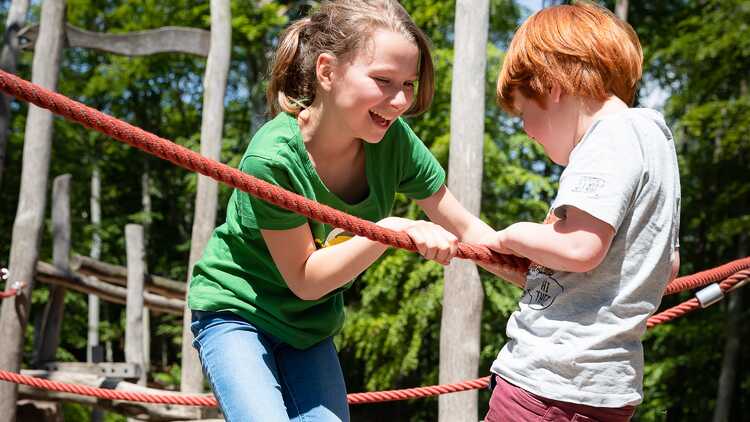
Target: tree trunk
[(32, 201), (732, 347), (8, 59), (463, 294), (214, 82)]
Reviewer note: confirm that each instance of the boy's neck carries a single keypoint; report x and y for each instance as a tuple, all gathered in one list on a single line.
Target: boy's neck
[(592, 110)]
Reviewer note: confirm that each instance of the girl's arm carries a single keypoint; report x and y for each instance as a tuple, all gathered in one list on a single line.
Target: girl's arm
[(444, 209), (312, 273)]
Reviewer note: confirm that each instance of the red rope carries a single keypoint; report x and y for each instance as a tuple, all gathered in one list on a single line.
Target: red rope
[(693, 304), (190, 160), (8, 293), (706, 277), (208, 400), (355, 398)]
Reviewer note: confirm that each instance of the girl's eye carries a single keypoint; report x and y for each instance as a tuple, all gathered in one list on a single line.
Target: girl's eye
[(381, 80), (410, 84)]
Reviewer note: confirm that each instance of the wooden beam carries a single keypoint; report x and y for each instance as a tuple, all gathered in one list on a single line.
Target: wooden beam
[(117, 274), (47, 273), (167, 39)]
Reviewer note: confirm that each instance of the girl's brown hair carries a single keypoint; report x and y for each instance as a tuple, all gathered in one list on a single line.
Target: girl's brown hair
[(339, 28), (583, 48)]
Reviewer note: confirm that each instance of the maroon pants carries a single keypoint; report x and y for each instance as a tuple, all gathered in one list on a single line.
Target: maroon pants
[(514, 404)]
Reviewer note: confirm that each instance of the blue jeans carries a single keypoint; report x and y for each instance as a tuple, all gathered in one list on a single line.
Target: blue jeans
[(256, 377)]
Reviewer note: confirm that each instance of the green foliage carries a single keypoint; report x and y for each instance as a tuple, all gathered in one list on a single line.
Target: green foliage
[(697, 50)]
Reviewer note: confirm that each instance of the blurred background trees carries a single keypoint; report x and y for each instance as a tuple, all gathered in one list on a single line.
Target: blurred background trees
[(697, 70)]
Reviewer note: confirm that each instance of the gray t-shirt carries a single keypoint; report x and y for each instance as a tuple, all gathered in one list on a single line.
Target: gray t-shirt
[(577, 336)]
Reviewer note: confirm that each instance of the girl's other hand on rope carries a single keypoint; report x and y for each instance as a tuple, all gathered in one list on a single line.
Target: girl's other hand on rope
[(432, 241)]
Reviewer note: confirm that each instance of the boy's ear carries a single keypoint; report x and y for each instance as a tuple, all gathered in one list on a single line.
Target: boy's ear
[(555, 93), (324, 67)]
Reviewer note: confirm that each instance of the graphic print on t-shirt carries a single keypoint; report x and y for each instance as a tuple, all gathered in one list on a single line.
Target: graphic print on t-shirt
[(541, 288)]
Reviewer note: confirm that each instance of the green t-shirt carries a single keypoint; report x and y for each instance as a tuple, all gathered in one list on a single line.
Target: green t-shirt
[(237, 273)]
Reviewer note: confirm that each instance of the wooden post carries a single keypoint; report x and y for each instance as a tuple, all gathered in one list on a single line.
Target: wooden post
[(27, 227), (134, 309), (463, 294), (621, 9), (93, 352), (8, 58), (215, 82), (48, 339), (93, 349)]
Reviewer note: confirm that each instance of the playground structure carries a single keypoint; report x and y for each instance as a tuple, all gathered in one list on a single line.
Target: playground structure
[(146, 293), (732, 275)]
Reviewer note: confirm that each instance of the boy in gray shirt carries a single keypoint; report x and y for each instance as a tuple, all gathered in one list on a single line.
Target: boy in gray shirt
[(609, 245)]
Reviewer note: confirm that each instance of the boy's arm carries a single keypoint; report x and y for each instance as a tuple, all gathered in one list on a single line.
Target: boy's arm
[(577, 243), (444, 209)]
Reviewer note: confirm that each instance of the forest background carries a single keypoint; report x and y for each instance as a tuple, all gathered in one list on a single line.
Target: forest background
[(697, 67)]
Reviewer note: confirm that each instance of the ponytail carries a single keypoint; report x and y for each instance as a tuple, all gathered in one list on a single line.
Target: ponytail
[(289, 86)]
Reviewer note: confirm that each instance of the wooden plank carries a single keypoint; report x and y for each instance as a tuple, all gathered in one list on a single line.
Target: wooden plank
[(47, 273), (117, 274), (167, 39)]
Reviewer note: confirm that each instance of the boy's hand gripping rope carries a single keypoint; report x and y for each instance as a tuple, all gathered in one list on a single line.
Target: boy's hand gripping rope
[(184, 157)]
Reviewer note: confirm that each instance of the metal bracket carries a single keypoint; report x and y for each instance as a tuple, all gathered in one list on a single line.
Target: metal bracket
[(122, 370), (709, 295)]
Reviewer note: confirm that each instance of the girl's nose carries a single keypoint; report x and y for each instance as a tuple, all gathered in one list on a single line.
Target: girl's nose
[(399, 100)]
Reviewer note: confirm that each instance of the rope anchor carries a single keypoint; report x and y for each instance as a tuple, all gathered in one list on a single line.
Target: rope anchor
[(709, 295), (16, 287)]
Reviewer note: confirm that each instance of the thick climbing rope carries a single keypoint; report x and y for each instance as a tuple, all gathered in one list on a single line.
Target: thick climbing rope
[(729, 284), (190, 160), (693, 304), (706, 277)]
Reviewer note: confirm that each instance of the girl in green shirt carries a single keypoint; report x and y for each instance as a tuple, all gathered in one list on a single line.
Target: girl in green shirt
[(266, 296)]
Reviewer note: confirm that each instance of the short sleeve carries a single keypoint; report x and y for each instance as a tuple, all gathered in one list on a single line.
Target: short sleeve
[(257, 213), (604, 173), (421, 174)]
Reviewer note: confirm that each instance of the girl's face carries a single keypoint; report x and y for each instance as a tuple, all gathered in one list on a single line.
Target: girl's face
[(375, 86), (554, 127)]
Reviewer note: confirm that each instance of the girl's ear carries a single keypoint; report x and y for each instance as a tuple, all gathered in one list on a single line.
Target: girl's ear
[(324, 68)]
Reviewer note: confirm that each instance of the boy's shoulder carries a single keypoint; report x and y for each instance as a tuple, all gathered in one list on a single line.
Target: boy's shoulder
[(633, 118)]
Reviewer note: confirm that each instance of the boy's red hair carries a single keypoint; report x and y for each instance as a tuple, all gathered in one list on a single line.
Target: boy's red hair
[(583, 48)]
